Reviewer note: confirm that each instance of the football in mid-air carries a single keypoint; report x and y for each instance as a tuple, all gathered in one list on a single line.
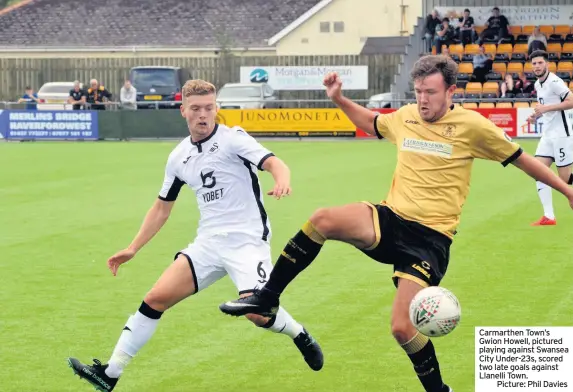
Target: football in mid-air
[(435, 311)]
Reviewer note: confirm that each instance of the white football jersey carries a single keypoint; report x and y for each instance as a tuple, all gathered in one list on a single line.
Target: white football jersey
[(222, 171), (553, 91)]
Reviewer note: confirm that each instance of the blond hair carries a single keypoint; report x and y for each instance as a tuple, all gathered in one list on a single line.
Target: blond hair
[(198, 87)]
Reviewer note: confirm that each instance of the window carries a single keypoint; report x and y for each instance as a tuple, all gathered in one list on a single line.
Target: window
[(325, 27), (339, 27), (145, 78)]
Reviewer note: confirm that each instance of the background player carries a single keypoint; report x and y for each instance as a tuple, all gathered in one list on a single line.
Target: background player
[(556, 143), (414, 227), (220, 165)]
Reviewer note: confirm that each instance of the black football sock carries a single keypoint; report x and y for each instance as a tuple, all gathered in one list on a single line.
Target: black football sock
[(570, 182), (300, 251), (421, 352)]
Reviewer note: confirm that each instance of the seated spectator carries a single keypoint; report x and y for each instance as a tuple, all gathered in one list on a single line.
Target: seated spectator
[(482, 65), (444, 35), (497, 27), (467, 28), (536, 41), (510, 87), (446, 52), (97, 95), (77, 97), (128, 96), (507, 87), (524, 86), (432, 20), (30, 97)]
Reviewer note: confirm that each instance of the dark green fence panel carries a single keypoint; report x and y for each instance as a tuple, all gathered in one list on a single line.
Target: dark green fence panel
[(142, 124)]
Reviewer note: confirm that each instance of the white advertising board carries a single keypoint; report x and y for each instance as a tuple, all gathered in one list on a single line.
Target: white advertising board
[(305, 78)]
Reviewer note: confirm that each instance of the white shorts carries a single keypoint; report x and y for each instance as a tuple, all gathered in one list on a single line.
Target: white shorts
[(245, 259), (558, 149)]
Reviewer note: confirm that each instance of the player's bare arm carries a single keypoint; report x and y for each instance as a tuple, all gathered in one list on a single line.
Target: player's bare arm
[(565, 105), (281, 174), (360, 116), (542, 173), (153, 222)]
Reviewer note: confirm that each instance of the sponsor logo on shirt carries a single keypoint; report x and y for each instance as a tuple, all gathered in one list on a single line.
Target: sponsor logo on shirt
[(427, 147)]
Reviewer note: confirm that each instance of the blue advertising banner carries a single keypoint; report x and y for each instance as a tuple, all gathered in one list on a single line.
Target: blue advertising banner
[(48, 125)]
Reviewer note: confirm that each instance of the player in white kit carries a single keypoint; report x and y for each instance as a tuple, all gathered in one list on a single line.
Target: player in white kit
[(220, 165), (553, 121)]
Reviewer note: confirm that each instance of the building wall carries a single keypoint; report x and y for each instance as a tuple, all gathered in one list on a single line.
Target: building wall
[(361, 19)]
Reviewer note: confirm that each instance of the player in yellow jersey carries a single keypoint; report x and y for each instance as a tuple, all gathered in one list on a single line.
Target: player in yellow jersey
[(414, 227)]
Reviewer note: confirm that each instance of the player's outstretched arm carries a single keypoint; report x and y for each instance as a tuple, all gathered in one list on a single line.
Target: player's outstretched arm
[(153, 222), (360, 116), (542, 173), (281, 174)]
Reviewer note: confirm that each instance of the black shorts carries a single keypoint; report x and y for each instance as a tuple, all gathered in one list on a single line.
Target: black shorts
[(417, 252)]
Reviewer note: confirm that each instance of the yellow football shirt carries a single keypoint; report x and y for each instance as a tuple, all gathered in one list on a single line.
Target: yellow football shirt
[(432, 177)]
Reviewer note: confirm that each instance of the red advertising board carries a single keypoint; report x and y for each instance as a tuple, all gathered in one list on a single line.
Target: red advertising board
[(506, 119)]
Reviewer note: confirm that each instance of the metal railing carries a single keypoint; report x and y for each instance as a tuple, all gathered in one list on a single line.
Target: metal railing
[(88, 106), (413, 49), (279, 104), (160, 105)]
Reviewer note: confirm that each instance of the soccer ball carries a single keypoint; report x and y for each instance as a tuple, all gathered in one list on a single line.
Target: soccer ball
[(435, 311)]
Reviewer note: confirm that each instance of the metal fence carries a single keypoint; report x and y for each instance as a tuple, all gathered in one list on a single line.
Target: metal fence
[(280, 104), (16, 74), (415, 47)]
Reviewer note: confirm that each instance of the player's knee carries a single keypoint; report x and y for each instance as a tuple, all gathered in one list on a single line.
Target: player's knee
[(156, 301), (566, 176), (259, 321), (321, 219), (402, 330)]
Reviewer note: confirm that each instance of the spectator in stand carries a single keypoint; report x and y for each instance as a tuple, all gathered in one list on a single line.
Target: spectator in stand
[(77, 96), (497, 27), (467, 28), (507, 87), (537, 41), (444, 35), (510, 87), (30, 97), (432, 21), (97, 96), (128, 96), (482, 65), (525, 86)]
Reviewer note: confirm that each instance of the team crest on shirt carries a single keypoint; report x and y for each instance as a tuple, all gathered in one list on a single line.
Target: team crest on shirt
[(449, 130), (214, 148)]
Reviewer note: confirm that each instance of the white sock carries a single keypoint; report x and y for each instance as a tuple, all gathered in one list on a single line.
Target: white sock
[(546, 198), (138, 330), (285, 324)]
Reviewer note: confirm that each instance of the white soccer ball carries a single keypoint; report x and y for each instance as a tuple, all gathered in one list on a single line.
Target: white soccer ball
[(435, 311)]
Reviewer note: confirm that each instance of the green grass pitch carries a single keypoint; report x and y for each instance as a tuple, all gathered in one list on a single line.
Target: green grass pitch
[(66, 207)]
